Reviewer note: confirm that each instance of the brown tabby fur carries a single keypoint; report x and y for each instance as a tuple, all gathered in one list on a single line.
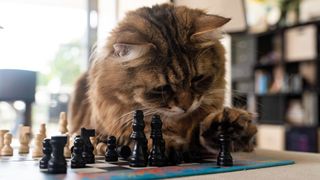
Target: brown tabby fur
[(180, 62)]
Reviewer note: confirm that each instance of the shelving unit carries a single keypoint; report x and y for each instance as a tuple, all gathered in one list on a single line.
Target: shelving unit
[(280, 82)]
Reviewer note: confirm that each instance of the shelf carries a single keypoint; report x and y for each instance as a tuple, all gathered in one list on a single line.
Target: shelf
[(300, 61), (287, 93)]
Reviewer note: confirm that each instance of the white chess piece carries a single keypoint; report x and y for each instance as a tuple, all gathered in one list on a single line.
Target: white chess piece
[(24, 138), (7, 149), (93, 141), (66, 150), (101, 148), (43, 130), (37, 151), (63, 123), (2, 133)]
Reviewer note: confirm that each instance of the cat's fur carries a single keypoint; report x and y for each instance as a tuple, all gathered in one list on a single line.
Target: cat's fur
[(166, 60)]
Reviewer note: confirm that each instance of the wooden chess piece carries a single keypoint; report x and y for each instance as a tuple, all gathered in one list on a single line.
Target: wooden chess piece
[(57, 163), (7, 149), (77, 161), (111, 154), (2, 133), (66, 150), (46, 150), (37, 151), (139, 157), (63, 123), (224, 157), (101, 148), (157, 154), (24, 138), (93, 141), (88, 148), (43, 130)]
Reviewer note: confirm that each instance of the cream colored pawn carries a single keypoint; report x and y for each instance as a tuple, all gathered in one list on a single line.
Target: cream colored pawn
[(7, 149), (2, 133), (43, 130), (101, 149), (37, 151), (63, 123), (24, 139), (93, 141), (66, 150)]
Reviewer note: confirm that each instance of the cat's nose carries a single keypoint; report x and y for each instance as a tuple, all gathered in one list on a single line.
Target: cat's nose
[(185, 100)]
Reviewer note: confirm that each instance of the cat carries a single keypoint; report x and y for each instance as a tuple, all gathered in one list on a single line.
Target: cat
[(165, 60)]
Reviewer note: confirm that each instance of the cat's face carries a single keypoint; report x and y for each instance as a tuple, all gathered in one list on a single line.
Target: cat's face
[(164, 58)]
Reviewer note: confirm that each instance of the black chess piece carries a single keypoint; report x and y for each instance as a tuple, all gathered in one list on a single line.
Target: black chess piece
[(77, 161), (224, 157), (88, 147), (157, 154), (124, 151), (57, 163), (139, 156), (47, 150), (175, 157), (111, 155)]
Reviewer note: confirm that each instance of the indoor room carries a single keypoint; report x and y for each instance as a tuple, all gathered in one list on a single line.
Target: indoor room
[(154, 89)]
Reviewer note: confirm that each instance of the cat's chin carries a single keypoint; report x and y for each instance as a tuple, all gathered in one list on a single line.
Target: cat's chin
[(176, 113)]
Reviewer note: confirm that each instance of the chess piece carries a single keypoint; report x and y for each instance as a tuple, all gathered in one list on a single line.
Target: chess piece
[(93, 141), (101, 148), (2, 133), (7, 149), (43, 130), (88, 147), (157, 154), (124, 151), (24, 138), (37, 151), (77, 161), (66, 150), (47, 150), (175, 157), (63, 123), (57, 163), (138, 157), (224, 157), (111, 154)]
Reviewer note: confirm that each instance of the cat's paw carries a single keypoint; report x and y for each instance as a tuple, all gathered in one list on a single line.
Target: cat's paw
[(236, 123)]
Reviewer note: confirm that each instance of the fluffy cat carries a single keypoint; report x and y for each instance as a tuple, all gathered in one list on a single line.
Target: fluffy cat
[(166, 60)]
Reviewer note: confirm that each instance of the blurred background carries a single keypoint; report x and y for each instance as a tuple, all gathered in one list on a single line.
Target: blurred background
[(272, 52)]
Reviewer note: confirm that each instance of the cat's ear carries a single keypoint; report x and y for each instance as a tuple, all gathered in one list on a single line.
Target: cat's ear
[(207, 28), (127, 52)]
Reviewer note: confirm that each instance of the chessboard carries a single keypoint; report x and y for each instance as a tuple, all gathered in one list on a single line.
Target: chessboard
[(28, 167)]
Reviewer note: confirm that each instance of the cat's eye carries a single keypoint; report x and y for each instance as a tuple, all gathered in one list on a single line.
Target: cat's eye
[(201, 83), (161, 89), (197, 78)]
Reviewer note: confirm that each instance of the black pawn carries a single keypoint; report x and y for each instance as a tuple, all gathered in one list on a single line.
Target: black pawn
[(47, 150), (57, 163), (157, 154), (175, 157), (111, 154), (77, 161), (139, 157), (88, 147), (124, 151), (224, 157)]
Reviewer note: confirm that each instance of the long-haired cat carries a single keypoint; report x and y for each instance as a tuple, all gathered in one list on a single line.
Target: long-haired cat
[(166, 60)]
